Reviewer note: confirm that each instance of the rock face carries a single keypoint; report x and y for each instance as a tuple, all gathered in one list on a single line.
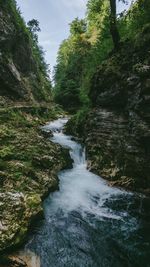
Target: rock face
[(21, 75), (115, 150), (14, 209), (29, 164), (118, 127)]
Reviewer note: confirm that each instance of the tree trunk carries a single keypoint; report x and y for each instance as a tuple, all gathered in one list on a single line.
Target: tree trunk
[(113, 24)]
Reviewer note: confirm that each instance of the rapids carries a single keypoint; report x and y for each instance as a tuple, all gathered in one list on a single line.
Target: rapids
[(87, 222)]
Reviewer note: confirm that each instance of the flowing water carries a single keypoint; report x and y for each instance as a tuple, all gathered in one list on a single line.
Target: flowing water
[(87, 222)]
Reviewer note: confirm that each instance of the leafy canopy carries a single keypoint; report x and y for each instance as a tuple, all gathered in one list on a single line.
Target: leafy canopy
[(90, 43)]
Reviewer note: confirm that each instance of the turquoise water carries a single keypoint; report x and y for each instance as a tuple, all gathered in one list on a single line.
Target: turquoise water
[(87, 222)]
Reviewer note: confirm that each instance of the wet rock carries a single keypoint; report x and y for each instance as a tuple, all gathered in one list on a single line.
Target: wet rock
[(16, 210), (28, 258), (20, 75), (116, 130), (44, 162), (12, 262), (46, 134), (29, 164)]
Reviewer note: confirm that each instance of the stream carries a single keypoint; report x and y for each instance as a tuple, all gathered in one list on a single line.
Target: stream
[(87, 222)]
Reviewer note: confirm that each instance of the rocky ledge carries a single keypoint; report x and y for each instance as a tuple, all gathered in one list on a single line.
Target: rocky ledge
[(115, 151), (118, 141), (116, 129), (29, 164)]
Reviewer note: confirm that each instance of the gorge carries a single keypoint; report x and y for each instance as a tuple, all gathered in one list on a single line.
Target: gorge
[(75, 152), (87, 222)]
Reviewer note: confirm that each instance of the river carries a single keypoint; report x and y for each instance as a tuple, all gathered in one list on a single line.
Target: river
[(87, 222)]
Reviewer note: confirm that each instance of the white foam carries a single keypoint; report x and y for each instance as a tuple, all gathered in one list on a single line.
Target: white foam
[(80, 189), (83, 191), (56, 125)]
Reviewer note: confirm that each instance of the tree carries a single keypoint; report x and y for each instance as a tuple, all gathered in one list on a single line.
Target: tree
[(69, 68), (90, 43), (39, 53), (113, 24), (33, 26), (77, 26)]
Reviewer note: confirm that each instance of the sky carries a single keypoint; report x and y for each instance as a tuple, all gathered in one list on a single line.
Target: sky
[(54, 17)]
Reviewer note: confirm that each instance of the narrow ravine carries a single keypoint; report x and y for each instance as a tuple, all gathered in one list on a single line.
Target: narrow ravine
[(87, 222)]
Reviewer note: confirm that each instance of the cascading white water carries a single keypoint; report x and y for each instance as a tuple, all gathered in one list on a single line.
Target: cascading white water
[(79, 188), (87, 222)]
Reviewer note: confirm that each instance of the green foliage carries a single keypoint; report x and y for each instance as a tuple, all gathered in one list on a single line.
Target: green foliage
[(77, 26), (26, 36), (88, 45), (15, 14), (134, 20), (33, 26), (70, 65), (76, 125), (6, 152), (96, 11), (39, 54)]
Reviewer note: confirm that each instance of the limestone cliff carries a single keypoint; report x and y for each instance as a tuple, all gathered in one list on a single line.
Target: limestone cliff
[(21, 74), (116, 130), (28, 161)]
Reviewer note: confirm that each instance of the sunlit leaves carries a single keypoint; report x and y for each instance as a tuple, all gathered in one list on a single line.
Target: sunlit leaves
[(89, 44)]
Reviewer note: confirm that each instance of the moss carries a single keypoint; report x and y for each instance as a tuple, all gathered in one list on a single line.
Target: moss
[(33, 82), (6, 152), (19, 138), (6, 133), (33, 201), (21, 145), (20, 236), (75, 125), (17, 175)]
